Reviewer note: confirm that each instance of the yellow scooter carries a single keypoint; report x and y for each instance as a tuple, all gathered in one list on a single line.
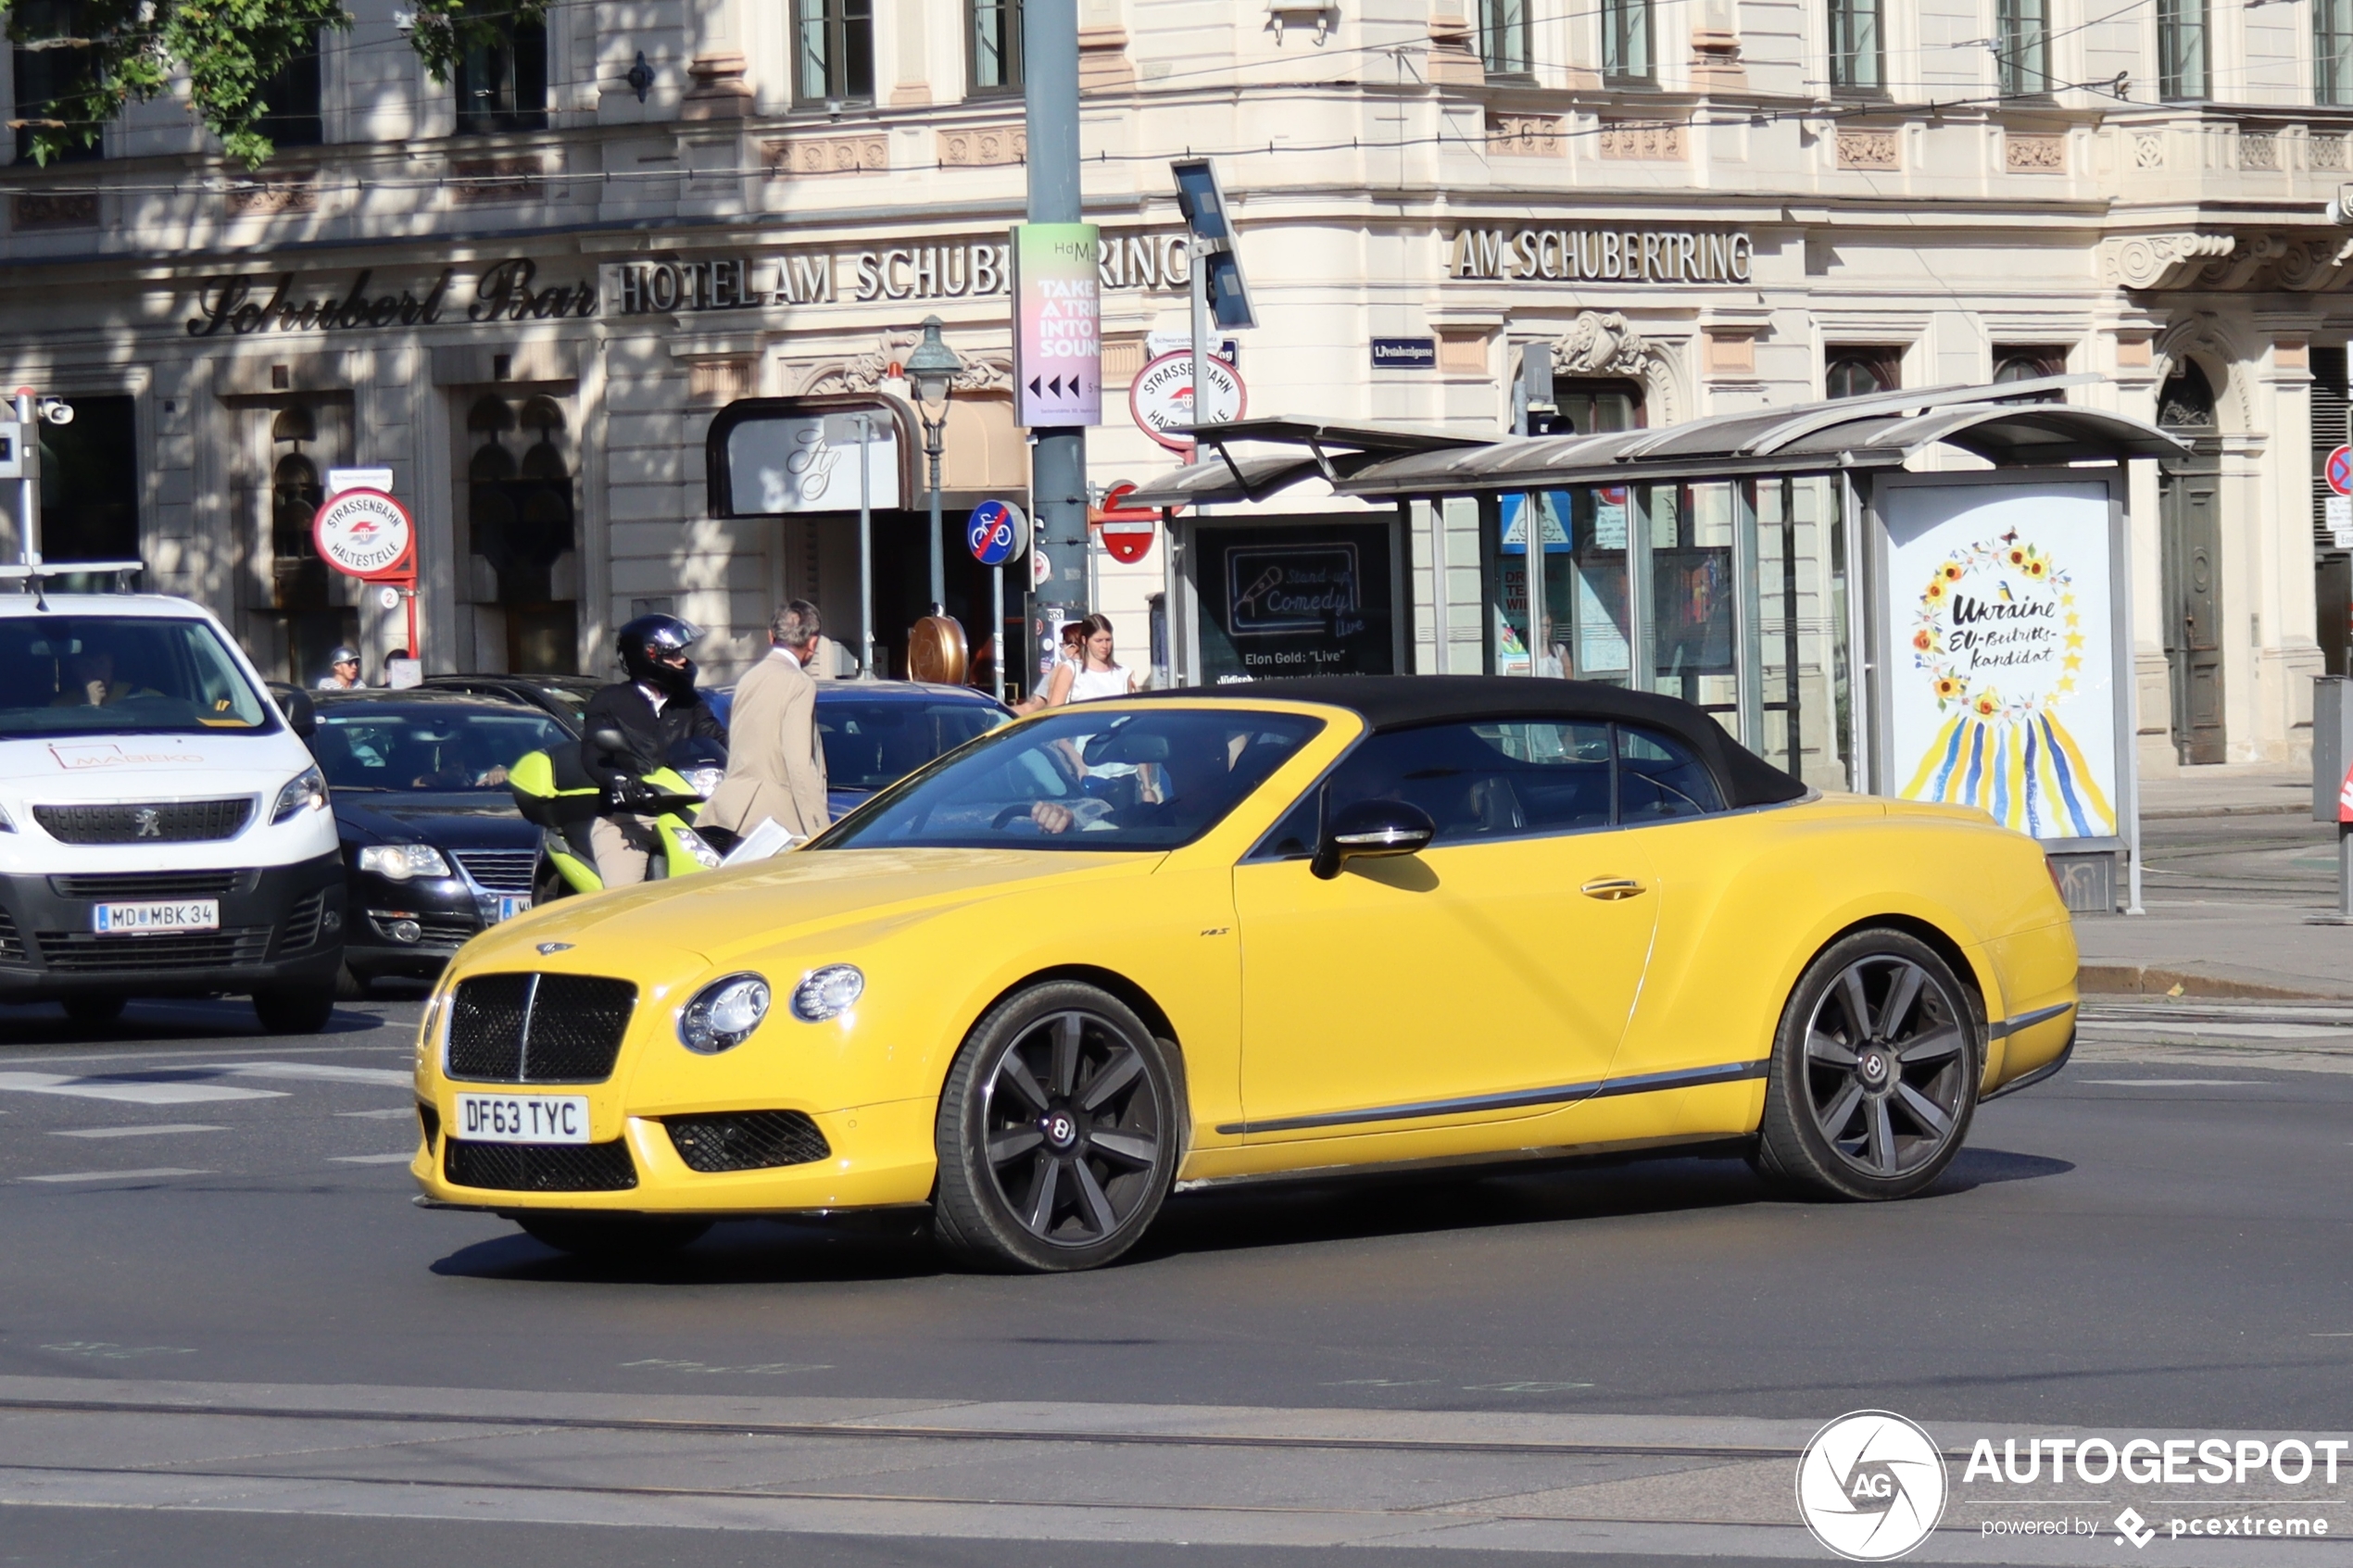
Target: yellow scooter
[(555, 793)]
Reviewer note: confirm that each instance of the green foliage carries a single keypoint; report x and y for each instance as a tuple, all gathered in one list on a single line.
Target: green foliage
[(99, 54)]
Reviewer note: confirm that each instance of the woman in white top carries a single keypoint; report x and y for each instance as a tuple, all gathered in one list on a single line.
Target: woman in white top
[(1067, 658), (1099, 677)]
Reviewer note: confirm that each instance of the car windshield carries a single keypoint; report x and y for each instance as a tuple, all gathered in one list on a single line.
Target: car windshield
[(1084, 779), (870, 742), (121, 674), (430, 752)]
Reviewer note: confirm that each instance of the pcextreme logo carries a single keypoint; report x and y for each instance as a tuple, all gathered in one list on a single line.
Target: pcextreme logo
[(1871, 1485)]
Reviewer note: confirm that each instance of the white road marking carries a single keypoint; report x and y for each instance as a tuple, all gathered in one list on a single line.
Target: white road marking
[(401, 1159), (134, 1132), (380, 1115), (116, 1175), (320, 1072), (2180, 1083), (134, 1091)]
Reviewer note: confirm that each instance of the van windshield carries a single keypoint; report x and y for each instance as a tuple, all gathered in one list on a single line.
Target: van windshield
[(121, 674)]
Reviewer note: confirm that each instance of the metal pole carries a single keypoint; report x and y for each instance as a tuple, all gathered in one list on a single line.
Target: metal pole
[(1748, 609), (28, 486), (1200, 285), (865, 552), (1058, 456), (1858, 652), (996, 627), (932, 447)]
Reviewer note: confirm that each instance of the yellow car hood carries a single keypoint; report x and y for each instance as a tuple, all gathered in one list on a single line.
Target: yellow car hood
[(720, 915)]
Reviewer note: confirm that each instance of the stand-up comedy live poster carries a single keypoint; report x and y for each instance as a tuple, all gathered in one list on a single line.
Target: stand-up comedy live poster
[(1999, 610)]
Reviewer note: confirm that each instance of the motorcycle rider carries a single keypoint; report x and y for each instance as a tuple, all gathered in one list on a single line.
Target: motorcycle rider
[(653, 709)]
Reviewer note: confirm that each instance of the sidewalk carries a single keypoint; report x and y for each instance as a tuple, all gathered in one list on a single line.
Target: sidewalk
[(2219, 945)]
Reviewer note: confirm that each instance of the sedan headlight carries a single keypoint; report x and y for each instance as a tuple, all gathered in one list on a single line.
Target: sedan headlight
[(307, 791), (723, 1015), (399, 862), (827, 993)]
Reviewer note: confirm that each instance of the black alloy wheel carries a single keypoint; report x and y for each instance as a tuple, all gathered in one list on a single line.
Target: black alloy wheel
[(1058, 1133), (1875, 1070)]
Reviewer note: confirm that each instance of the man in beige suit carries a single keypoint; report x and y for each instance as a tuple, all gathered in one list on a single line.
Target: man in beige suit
[(775, 765)]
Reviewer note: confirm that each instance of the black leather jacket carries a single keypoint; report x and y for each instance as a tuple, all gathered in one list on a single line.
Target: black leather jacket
[(625, 707)]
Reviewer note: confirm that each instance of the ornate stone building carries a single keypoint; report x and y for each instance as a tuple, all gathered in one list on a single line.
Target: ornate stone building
[(528, 292)]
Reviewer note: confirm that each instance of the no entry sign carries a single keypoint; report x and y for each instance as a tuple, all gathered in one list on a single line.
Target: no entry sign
[(2340, 471), (1126, 531), (996, 532)]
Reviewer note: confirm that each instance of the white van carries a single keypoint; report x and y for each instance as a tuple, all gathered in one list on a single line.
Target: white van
[(163, 829)]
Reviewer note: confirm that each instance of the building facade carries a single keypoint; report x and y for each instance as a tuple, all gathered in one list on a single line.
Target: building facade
[(528, 292)]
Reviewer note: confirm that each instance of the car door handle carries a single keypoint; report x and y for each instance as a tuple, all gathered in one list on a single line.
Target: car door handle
[(1614, 887)]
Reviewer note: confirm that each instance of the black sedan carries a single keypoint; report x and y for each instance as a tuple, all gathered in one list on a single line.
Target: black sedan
[(433, 850)]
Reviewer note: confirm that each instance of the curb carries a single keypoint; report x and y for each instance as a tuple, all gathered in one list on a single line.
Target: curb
[(2148, 979)]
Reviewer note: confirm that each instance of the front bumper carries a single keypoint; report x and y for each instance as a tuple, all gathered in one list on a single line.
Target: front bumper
[(446, 913), (280, 926)]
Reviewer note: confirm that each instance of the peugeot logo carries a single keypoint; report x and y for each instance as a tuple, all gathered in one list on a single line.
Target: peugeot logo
[(547, 947), (146, 822)]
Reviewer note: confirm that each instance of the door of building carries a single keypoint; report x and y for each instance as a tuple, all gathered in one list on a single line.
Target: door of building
[(2190, 544)]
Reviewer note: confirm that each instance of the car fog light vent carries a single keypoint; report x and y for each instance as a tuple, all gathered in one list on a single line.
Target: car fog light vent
[(430, 1120), (753, 1140)]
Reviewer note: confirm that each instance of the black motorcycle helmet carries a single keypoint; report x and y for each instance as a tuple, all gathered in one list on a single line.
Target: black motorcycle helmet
[(644, 643)]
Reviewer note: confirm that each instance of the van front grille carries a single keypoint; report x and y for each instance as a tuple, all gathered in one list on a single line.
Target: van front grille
[(165, 822)]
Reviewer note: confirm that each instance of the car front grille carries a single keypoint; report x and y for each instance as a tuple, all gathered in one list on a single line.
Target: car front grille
[(147, 884), (514, 1167), (754, 1141), (302, 925), (499, 870), (165, 822), (538, 1028), (86, 952), (11, 944)]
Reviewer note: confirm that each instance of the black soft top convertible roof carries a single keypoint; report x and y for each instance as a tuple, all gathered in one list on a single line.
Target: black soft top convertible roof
[(1405, 702)]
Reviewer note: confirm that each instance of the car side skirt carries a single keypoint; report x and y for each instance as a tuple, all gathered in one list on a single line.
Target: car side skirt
[(1518, 1100)]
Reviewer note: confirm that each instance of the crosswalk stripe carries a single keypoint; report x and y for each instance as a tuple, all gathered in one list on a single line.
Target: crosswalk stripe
[(116, 1175), (134, 1091)]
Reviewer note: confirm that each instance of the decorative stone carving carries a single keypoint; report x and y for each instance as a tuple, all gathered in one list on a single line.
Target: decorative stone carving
[(1715, 61), (719, 91), (984, 146), (1872, 150), (2157, 261), (863, 154), (720, 380), (1652, 140), (2259, 150), (263, 198), (473, 180), (55, 209), (2034, 154), (2315, 265), (2149, 151), (2327, 152), (1103, 65), (1526, 136), (1600, 342), (868, 372), (2239, 268)]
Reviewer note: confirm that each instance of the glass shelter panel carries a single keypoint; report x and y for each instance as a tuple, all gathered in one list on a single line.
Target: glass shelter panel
[(1576, 621)]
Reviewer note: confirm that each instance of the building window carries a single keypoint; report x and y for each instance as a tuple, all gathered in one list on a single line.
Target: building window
[(2023, 42), (502, 80), (90, 483), (2181, 50), (2013, 363), (47, 79), (1856, 46), (1502, 37), (303, 592), (1859, 372), (2333, 53), (519, 521), (293, 99), (995, 45), (836, 49), (1628, 57)]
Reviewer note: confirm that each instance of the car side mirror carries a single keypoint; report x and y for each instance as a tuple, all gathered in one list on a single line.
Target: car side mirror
[(1371, 828), (302, 714)]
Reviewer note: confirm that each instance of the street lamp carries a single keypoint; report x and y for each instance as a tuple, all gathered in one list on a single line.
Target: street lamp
[(931, 373)]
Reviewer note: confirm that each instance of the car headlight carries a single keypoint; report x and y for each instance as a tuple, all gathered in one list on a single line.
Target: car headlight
[(7, 823), (399, 862), (307, 791), (694, 843), (827, 993), (723, 1015), (705, 781)]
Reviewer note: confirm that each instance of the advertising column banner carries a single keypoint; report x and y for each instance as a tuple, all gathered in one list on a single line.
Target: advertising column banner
[(1998, 610), (1058, 346)]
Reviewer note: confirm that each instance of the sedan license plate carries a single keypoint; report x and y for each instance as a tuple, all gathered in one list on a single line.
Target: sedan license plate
[(510, 906), (522, 1119), (180, 914)]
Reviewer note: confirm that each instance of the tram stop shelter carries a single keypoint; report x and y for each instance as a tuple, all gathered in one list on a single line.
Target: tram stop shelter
[(1922, 593)]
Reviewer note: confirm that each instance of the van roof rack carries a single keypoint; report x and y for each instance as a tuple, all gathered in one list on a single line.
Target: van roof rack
[(35, 575)]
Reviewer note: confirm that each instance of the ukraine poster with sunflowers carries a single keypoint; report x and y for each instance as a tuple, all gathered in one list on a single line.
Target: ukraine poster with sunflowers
[(2002, 692)]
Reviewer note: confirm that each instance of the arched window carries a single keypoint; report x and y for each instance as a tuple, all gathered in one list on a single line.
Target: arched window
[(2188, 402), (519, 518), (1859, 372)]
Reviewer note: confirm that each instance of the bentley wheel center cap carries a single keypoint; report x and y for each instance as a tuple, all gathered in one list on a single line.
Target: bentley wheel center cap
[(1873, 1068), (1060, 1130)]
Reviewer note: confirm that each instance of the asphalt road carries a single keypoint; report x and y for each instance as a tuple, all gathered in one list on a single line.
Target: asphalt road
[(2152, 1241)]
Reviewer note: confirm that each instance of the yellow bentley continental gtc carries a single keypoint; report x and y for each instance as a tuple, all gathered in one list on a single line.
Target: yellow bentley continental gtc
[(1309, 926)]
